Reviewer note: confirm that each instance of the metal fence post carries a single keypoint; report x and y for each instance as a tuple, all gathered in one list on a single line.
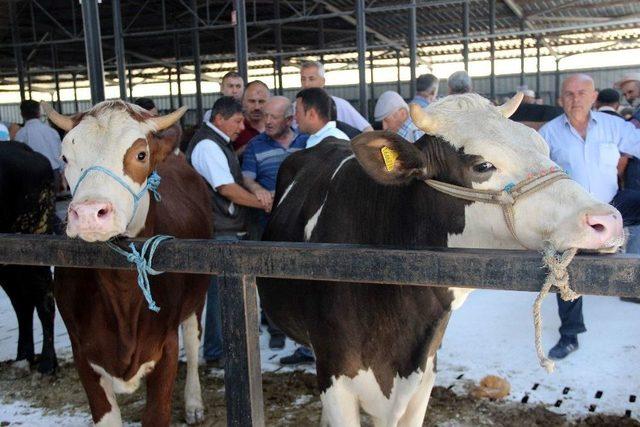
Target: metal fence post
[(242, 374)]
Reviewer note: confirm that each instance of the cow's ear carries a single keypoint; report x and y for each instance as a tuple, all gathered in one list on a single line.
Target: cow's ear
[(163, 143), (388, 158)]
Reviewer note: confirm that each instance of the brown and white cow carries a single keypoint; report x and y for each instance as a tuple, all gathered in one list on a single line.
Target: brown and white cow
[(376, 345), (116, 339)]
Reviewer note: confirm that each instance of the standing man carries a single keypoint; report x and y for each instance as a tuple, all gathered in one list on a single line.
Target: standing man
[(211, 154), (261, 162), (312, 76), (231, 85), (426, 90), (393, 112), (587, 145), (630, 87), (253, 100), (608, 102), (40, 137), (313, 114), (459, 82)]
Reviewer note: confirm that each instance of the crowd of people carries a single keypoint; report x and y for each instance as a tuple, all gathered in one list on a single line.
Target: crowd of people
[(248, 133)]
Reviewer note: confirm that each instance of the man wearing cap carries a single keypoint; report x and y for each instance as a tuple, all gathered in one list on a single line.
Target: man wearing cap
[(630, 87), (393, 112)]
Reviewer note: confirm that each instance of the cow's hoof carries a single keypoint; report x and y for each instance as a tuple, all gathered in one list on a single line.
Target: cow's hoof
[(19, 369), (48, 366), (194, 414)]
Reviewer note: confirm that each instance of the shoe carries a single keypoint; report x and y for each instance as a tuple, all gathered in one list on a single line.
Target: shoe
[(567, 345), (276, 342), (298, 357)]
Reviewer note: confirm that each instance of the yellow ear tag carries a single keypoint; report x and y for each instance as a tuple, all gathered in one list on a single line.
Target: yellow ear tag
[(389, 155)]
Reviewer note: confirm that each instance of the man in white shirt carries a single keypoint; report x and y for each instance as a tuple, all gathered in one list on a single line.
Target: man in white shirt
[(211, 154), (587, 145), (312, 75), (313, 114), (40, 137)]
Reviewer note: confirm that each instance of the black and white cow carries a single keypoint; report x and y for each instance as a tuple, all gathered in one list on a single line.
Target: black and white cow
[(26, 206), (376, 345)]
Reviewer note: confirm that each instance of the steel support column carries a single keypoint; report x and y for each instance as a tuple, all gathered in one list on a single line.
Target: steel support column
[(361, 41), (277, 62), (171, 104), (130, 84), (412, 48), (195, 43), (176, 45), (74, 76), (242, 47), (492, 48), (17, 50), (538, 44), (93, 47), (522, 79), (119, 48), (465, 35), (56, 76), (372, 90), (398, 83), (557, 82)]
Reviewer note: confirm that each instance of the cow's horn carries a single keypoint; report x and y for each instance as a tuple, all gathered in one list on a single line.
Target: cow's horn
[(508, 108), (424, 121), (163, 122), (63, 122)]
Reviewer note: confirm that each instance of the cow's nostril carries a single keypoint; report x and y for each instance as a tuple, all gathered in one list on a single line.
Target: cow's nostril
[(598, 227), (102, 212)]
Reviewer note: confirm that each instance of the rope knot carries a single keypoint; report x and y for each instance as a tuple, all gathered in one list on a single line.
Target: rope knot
[(143, 261), (557, 276), (153, 182)]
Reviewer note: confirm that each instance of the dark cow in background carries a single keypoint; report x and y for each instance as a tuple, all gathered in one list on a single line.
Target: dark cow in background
[(110, 153), (27, 206), (376, 345)]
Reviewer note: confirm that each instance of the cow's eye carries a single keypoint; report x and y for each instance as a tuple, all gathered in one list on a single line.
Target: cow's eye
[(142, 155), (484, 167), (64, 159)]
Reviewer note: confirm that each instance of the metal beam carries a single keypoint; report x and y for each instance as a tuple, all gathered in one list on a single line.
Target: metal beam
[(277, 62), (195, 45), (522, 80), (93, 47), (361, 42), (517, 10), (242, 48), (465, 35), (492, 49), (56, 77), (119, 48), (17, 50), (413, 49), (538, 86), (348, 18)]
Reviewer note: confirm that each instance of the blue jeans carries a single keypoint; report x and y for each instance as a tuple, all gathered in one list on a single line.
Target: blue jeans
[(212, 347), (628, 203)]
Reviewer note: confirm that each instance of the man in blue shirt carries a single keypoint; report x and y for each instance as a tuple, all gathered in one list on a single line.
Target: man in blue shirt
[(426, 90), (266, 152), (587, 144), (313, 114), (260, 164)]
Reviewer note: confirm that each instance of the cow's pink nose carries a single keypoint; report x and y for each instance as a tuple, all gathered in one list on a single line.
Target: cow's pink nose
[(90, 215), (605, 229)]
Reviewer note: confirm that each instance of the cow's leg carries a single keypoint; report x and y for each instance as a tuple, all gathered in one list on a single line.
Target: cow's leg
[(339, 407), (46, 309), (193, 408), (102, 399), (21, 298), (417, 407), (160, 384)]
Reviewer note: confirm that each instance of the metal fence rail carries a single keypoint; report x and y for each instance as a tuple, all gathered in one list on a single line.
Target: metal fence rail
[(238, 263)]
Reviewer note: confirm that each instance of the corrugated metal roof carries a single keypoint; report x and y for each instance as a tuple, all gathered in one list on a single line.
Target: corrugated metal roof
[(567, 27)]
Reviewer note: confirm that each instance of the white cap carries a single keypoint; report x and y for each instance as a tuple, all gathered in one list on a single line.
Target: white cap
[(387, 104), (628, 78)]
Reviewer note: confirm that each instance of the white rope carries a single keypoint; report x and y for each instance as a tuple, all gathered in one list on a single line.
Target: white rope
[(559, 277)]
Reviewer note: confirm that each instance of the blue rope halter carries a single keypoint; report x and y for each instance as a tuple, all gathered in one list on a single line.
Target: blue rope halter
[(153, 182), (143, 261)]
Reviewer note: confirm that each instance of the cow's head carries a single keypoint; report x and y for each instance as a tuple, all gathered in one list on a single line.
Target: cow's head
[(109, 153), (471, 143)]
